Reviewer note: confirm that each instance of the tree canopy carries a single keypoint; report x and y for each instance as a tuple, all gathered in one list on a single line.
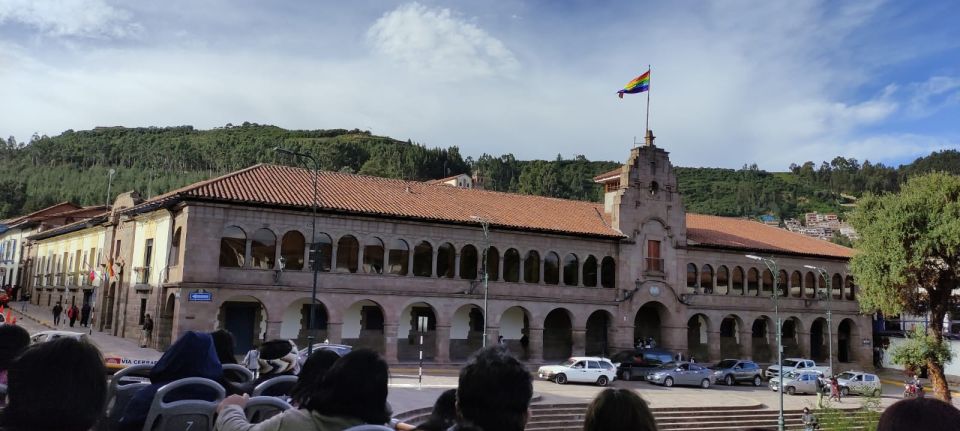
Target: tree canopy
[(908, 257)]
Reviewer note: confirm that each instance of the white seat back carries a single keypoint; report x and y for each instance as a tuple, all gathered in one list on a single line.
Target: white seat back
[(288, 381), (240, 369), (259, 409), (369, 427), (183, 415)]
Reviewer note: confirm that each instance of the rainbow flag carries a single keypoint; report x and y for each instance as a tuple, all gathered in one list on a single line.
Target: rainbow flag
[(638, 85)]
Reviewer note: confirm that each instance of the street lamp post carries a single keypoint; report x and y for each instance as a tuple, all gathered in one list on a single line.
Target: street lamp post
[(314, 251), (772, 266), (485, 224), (829, 295)]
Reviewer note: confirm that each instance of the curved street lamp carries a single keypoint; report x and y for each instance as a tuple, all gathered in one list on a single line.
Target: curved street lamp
[(772, 266)]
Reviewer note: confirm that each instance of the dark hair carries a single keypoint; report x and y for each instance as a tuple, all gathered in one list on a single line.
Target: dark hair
[(444, 414), (618, 410), (928, 414), (224, 344), (494, 391), (58, 385), (311, 374), (13, 339), (355, 386)]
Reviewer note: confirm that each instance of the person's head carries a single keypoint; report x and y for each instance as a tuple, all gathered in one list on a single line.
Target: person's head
[(618, 410), (279, 357), (58, 385), (444, 414), (192, 355), (928, 414), (494, 391), (13, 339), (147, 316), (806, 410), (356, 387), (311, 374), (224, 343)]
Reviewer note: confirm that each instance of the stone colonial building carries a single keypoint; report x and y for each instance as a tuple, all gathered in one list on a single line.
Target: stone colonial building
[(564, 277)]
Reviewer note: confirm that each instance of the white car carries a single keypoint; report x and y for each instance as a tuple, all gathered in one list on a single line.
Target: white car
[(583, 369), (44, 336), (858, 382), (795, 364)]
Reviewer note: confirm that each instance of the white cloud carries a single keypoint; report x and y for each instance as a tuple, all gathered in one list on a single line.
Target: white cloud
[(934, 94), (439, 43), (77, 18)]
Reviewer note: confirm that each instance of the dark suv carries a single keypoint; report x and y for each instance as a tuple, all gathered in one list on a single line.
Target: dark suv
[(731, 371), (637, 363)]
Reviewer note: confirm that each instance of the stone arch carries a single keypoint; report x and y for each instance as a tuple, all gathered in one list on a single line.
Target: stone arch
[(723, 280), (590, 271), (848, 336), (850, 288), (292, 248), (608, 272), (246, 318), (766, 283), (511, 265), (706, 279), (165, 321), (730, 344), (571, 270), (399, 257), (692, 278), (764, 348), (809, 285), (557, 334), (295, 322), (819, 348), (373, 255), (263, 249), (363, 326), (323, 252), (466, 331), (782, 288), (790, 337), (446, 260), (796, 285), (698, 337), (753, 282), (648, 321), (514, 327), (348, 254), (423, 259), (737, 281), (233, 247), (468, 262), (409, 333), (492, 264), (598, 333), (531, 267), (551, 268), (836, 287)]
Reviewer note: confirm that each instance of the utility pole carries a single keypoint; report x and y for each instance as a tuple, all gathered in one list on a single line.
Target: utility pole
[(772, 266), (485, 224)]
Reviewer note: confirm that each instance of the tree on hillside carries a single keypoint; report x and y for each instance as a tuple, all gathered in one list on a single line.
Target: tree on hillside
[(908, 257)]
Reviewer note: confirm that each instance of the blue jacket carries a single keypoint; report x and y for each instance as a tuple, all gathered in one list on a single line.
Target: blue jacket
[(193, 355)]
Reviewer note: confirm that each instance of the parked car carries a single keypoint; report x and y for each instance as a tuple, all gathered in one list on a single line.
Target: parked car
[(858, 382), (796, 364), (732, 371), (638, 363), (584, 369), (680, 373), (44, 336), (795, 382), (339, 349)]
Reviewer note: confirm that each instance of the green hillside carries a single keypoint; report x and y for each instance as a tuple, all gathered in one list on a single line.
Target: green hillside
[(73, 167)]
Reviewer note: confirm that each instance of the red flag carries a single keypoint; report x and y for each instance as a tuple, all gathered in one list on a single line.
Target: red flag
[(110, 268), (93, 275)]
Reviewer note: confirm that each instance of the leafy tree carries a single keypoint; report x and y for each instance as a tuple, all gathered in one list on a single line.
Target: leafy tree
[(908, 257), (920, 348)]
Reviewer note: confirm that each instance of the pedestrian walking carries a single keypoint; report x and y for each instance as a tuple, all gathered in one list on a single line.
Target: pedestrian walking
[(821, 388), (147, 331), (57, 309), (834, 389), (85, 315), (73, 313), (252, 361)]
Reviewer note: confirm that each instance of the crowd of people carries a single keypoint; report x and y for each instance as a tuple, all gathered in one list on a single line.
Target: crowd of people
[(60, 385)]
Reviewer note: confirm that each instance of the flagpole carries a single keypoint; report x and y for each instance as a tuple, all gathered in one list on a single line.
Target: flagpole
[(650, 77)]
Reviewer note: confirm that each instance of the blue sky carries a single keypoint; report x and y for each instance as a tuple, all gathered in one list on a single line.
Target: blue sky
[(734, 82)]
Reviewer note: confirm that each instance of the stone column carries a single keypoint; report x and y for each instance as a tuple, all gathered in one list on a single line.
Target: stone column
[(456, 265), (746, 344), (541, 271), (433, 264), (273, 329), (493, 336), (360, 248), (713, 346), (390, 342), (335, 332), (579, 342), (410, 263), (522, 268), (443, 345), (333, 257), (536, 345)]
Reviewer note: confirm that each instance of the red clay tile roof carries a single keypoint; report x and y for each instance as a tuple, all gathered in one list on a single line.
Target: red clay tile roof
[(726, 232), (339, 192), (607, 175), (59, 208)]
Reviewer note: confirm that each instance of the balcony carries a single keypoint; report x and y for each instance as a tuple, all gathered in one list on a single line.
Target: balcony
[(653, 265), (141, 278)]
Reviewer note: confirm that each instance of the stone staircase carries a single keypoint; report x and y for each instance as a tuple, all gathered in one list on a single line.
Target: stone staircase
[(569, 417)]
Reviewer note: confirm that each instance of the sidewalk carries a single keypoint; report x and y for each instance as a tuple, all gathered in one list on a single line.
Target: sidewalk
[(108, 344)]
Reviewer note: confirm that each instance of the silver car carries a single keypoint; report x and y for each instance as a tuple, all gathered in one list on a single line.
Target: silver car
[(680, 373), (860, 383), (796, 382)]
